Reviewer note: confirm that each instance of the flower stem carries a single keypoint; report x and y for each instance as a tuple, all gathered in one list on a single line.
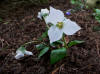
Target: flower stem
[(65, 44), (46, 24), (29, 43)]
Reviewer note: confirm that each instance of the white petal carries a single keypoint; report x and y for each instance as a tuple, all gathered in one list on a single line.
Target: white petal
[(54, 16), (39, 15), (28, 53), (54, 34), (19, 55), (70, 27), (44, 11), (18, 51)]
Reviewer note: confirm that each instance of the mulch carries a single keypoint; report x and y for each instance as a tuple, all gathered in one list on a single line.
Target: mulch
[(21, 25)]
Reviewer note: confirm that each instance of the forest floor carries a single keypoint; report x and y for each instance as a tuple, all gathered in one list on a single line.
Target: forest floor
[(21, 25)]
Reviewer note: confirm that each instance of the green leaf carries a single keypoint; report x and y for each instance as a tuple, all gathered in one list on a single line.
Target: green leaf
[(40, 46), (44, 35), (54, 44), (75, 42), (60, 42), (43, 51), (73, 1), (22, 48), (97, 15), (57, 55), (97, 18), (96, 28), (97, 11)]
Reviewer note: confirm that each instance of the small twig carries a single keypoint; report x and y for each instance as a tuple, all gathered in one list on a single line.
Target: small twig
[(85, 67), (7, 43), (97, 47), (60, 68), (2, 44), (30, 43), (55, 70)]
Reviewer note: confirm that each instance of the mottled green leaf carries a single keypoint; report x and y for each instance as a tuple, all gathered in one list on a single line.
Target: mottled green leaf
[(57, 55), (40, 46), (75, 42), (43, 51), (54, 44)]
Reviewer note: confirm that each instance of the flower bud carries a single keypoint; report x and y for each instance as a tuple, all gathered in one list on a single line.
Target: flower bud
[(44, 11)]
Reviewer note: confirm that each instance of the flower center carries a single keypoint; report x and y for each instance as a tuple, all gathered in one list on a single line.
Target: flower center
[(60, 25)]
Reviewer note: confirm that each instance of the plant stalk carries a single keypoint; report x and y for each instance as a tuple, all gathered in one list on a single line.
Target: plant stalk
[(45, 23), (65, 44)]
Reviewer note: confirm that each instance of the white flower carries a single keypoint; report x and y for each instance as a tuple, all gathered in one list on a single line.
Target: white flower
[(60, 25), (39, 15), (42, 13), (20, 54)]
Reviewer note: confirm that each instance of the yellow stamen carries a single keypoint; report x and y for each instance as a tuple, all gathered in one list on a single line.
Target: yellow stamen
[(60, 25)]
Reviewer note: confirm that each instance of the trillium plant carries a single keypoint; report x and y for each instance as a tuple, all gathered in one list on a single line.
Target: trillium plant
[(58, 28), (55, 40)]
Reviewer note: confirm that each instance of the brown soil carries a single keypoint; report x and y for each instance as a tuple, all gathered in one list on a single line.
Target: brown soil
[(22, 25)]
